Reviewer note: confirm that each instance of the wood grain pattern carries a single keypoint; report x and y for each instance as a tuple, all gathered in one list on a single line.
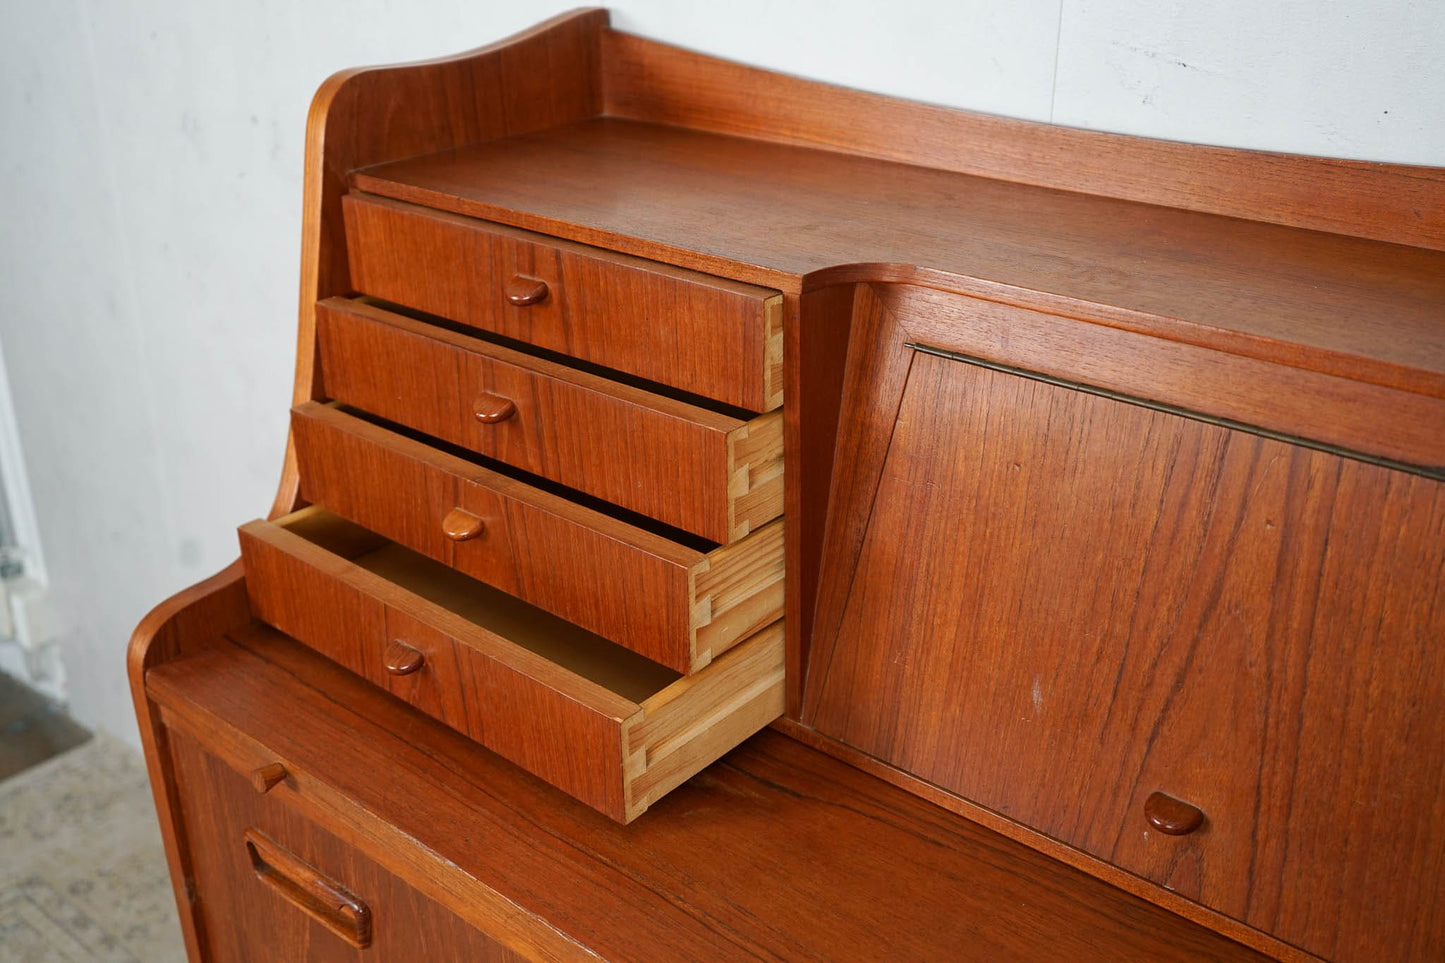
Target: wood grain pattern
[(1305, 296), (701, 334), (646, 80), (1046, 845), (541, 77), (1254, 615), (1385, 422), (1343, 306), (550, 711), (675, 604), (736, 590), (564, 704), (778, 851), (875, 372), (694, 721), (193, 616), (1376, 421), (222, 816), (690, 467), (755, 475), (816, 342), (309, 890)]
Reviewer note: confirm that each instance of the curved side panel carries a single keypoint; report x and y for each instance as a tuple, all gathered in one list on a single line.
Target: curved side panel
[(203, 611), (543, 77)]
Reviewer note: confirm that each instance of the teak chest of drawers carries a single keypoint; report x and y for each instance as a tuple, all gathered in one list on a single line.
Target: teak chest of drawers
[(1072, 506)]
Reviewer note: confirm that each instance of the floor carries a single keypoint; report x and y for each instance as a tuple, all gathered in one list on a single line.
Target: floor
[(82, 873), (32, 728)]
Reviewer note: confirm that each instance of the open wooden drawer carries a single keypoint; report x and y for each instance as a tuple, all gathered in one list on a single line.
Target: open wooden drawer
[(681, 603), (603, 724), (716, 475)]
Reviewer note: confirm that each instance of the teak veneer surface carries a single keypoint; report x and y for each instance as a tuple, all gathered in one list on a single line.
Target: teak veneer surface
[(831, 196), (220, 808), (772, 214), (646, 80), (607, 726), (1065, 603), (678, 604), (693, 468), (703, 334), (777, 852)]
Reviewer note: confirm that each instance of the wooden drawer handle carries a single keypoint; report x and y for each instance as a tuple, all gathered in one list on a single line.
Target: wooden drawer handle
[(1171, 816), (402, 659), (460, 526), (266, 777), (302, 885), (490, 408), (522, 290)]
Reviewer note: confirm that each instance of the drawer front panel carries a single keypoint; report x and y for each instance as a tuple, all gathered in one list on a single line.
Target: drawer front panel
[(694, 469), (714, 338), (540, 548), (675, 605), (1210, 658), (271, 884)]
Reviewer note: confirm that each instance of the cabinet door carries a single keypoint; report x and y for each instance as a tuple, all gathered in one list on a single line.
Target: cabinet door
[(263, 876), (1065, 603)]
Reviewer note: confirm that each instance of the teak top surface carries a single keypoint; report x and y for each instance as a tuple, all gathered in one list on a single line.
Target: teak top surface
[(776, 214), (777, 851)]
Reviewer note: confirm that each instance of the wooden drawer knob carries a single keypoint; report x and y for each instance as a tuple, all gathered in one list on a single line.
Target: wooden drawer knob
[(402, 659), (460, 526), (266, 777), (522, 290), (490, 408), (1171, 816)]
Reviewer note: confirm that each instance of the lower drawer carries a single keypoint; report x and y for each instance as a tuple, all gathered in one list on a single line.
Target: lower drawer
[(594, 719), (270, 884)]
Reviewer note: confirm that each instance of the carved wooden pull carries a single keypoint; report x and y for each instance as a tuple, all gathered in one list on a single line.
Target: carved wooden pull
[(402, 659), (460, 526), (1171, 816), (303, 886), (266, 777), (522, 290), (492, 408)]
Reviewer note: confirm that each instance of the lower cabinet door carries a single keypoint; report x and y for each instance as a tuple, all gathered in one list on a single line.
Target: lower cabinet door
[(270, 885), (1211, 658)]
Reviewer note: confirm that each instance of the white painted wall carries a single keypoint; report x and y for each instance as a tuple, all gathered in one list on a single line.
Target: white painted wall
[(152, 196)]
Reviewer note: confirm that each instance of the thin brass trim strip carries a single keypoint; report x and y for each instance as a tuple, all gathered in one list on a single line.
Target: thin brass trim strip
[(1433, 473)]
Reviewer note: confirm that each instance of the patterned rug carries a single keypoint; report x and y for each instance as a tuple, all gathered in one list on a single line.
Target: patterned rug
[(82, 873)]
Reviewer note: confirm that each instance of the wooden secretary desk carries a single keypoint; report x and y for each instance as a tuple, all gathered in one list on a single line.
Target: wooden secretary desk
[(728, 516)]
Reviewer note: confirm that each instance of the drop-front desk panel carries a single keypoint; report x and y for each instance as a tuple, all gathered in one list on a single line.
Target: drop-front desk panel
[(728, 516)]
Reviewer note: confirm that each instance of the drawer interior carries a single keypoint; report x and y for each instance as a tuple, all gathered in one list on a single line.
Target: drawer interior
[(558, 641)]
